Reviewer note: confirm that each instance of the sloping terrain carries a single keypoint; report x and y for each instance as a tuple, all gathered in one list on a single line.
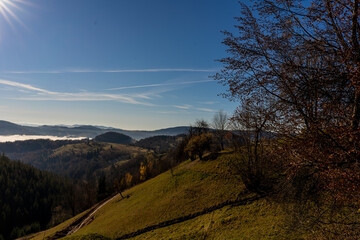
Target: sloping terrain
[(197, 200), (27, 198)]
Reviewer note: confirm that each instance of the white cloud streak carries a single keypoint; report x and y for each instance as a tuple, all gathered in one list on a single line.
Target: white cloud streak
[(189, 107), (184, 107), (208, 103), (161, 85), (24, 86), (45, 95), (112, 71), (206, 109)]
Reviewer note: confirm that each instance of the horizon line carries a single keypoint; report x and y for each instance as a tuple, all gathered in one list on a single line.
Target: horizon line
[(79, 125)]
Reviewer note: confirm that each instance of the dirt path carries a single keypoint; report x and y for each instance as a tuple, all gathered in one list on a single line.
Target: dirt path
[(88, 219), (80, 222)]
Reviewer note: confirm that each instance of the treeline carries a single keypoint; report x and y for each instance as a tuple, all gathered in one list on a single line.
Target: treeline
[(31, 200)]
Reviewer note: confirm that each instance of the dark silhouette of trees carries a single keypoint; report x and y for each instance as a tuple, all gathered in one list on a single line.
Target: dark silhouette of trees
[(253, 123), (102, 190), (120, 186), (200, 127), (32, 200)]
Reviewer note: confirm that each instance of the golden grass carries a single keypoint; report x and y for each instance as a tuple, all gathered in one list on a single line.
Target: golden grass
[(192, 187)]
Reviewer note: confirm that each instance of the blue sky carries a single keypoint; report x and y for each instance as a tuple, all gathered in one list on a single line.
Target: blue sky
[(132, 64)]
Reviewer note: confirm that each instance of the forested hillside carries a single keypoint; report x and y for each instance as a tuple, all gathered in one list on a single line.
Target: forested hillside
[(113, 137), (76, 159), (85, 160), (160, 144), (29, 199)]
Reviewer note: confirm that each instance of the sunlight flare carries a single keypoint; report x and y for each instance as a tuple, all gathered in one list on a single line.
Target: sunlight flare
[(7, 10)]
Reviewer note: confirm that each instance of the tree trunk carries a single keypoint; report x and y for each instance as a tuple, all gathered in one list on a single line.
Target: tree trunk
[(356, 57), (356, 110)]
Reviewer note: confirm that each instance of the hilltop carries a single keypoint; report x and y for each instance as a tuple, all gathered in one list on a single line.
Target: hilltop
[(113, 137)]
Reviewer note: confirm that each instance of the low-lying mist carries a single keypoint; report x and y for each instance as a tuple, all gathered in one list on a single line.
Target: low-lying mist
[(13, 138)]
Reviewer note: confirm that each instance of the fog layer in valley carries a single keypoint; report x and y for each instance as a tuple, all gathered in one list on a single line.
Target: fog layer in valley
[(13, 138)]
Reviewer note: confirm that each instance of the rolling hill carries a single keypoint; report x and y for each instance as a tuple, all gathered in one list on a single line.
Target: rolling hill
[(196, 200), (76, 159), (113, 137), (84, 160)]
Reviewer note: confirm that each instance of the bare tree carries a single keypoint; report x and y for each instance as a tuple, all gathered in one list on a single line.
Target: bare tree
[(219, 123), (200, 127), (252, 123)]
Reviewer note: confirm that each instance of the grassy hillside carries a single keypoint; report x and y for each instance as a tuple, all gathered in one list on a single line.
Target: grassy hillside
[(189, 189)]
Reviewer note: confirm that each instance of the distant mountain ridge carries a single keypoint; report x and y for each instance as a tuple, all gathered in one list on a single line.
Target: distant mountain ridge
[(8, 128)]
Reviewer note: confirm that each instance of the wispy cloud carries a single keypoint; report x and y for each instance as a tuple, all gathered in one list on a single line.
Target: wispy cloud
[(185, 107), (24, 86), (208, 103), (111, 71), (206, 109), (161, 84), (167, 112), (190, 107), (46, 95)]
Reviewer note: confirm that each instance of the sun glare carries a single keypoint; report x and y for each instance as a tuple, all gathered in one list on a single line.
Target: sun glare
[(8, 8)]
